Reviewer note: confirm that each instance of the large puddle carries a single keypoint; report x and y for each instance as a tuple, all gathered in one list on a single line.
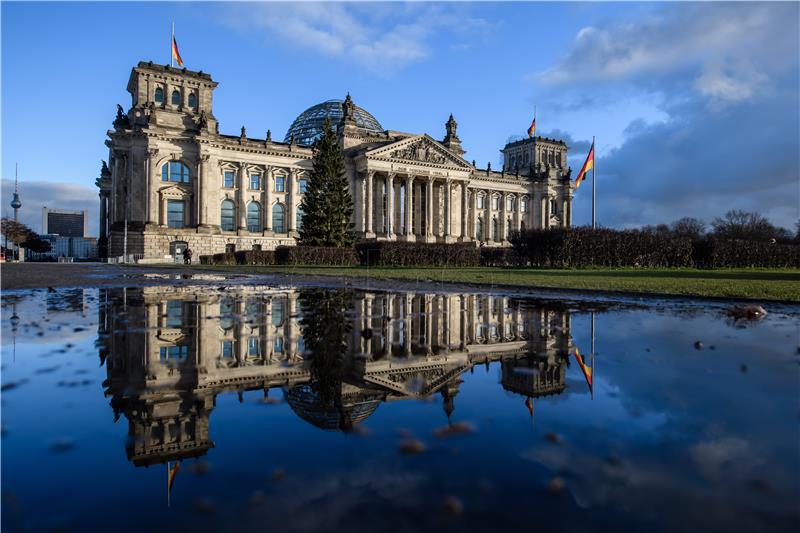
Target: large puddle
[(323, 409)]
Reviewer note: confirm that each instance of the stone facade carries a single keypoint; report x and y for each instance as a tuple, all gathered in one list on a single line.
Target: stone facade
[(174, 181)]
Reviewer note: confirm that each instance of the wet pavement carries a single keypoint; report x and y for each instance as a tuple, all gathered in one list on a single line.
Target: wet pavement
[(290, 406)]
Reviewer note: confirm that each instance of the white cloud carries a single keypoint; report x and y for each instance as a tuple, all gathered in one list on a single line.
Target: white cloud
[(383, 38)]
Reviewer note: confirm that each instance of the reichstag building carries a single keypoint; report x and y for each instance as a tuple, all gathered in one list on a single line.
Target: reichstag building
[(175, 181)]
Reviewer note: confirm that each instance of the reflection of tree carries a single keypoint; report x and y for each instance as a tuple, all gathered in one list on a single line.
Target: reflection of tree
[(325, 327)]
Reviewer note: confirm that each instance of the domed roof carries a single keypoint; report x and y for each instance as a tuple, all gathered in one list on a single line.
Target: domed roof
[(307, 127), (306, 402)]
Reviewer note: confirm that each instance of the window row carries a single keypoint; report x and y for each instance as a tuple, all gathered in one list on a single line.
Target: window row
[(175, 98), (511, 203), (177, 172), (255, 218), (255, 182)]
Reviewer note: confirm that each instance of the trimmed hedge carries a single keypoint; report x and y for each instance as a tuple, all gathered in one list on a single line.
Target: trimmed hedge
[(730, 253), (316, 255), (583, 247), (500, 257), (244, 257), (388, 253)]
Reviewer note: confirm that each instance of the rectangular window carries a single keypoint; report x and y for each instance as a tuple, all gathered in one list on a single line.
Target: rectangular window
[(303, 185), (255, 182), (480, 202), (174, 314), (253, 346), (175, 214), (510, 204), (227, 349), (228, 179), (495, 203), (174, 353), (280, 184)]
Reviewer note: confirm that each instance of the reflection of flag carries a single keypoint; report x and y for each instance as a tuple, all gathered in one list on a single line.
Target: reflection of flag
[(587, 166), (175, 54), (532, 127), (172, 473), (587, 370), (529, 405)]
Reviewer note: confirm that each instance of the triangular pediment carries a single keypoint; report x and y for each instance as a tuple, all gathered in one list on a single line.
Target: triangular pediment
[(174, 191), (416, 382), (420, 149)]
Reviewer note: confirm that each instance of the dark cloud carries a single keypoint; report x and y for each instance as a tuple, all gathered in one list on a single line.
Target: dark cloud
[(38, 194), (726, 76)]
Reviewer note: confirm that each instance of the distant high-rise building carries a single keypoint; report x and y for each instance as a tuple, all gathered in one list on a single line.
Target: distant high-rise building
[(65, 223), (16, 203)]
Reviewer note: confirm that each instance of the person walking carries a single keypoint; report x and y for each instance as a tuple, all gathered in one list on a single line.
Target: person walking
[(187, 257)]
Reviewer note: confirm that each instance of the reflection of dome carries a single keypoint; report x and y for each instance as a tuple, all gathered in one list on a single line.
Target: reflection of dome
[(307, 127), (307, 404)]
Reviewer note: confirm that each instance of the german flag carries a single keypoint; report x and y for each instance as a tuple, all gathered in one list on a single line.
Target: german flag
[(587, 166), (587, 370), (529, 405), (532, 128), (175, 54), (172, 473)]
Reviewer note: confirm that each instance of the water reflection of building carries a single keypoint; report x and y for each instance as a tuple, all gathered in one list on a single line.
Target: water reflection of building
[(169, 352)]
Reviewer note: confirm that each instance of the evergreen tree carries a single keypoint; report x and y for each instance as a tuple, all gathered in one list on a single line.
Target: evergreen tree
[(328, 204)]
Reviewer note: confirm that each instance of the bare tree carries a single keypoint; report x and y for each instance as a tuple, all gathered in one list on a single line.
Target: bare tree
[(694, 228), (15, 232), (737, 224)]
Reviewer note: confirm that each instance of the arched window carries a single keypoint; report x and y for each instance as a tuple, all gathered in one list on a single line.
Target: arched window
[(495, 230), (193, 100), (299, 216), (176, 98), (479, 229), (278, 218), (254, 217), (227, 220), (159, 97), (175, 171)]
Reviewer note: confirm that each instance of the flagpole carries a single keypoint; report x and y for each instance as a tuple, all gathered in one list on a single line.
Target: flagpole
[(168, 502), (171, 44), (594, 169), (594, 374)]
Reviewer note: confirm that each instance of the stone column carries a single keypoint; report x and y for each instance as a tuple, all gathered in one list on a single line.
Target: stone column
[(368, 323), (409, 221), (268, 199), (407, 323), (464, 212), (103, 215), (569, 210), (152, 187), (361, 202), (291, 326), (547, 214), (370, 205), (202, 185), (291, 202), (448, 212), (517, 213), (489, 212), (502, 226), (565, 212), (389, 331), (242, 208), (462, 302), (429, 210), (163, 215), (544, 206), (389, 215)]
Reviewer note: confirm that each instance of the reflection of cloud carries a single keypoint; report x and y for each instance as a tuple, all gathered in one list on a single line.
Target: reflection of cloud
[(383, 39), (724, 456)]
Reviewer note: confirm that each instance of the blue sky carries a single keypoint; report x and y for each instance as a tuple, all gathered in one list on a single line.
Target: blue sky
[(695, 106)]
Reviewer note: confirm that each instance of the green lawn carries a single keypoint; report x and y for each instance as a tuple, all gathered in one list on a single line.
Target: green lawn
[(766, 284)]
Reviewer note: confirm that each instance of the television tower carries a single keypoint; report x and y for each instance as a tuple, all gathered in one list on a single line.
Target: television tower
[(15, 202)]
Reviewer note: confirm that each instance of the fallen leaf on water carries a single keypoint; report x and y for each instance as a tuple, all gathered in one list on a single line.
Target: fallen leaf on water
[(411, 447), (456, 428)]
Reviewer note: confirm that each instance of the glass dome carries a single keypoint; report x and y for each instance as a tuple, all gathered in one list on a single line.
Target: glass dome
[(307, 127)]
